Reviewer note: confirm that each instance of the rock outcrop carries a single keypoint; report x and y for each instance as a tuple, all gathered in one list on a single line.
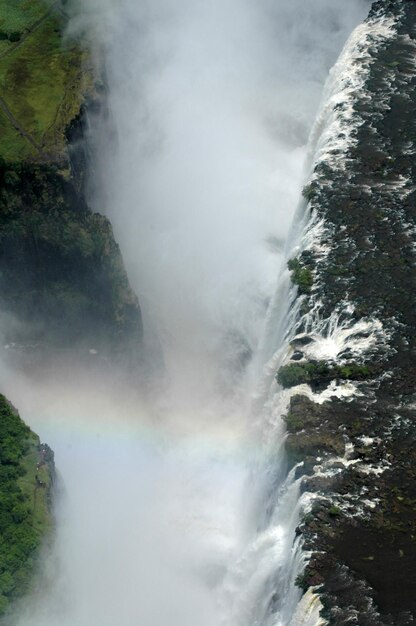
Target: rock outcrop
[(352, 415)]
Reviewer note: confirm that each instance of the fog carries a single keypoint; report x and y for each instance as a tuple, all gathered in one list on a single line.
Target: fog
[(198, 162), (147, 515), (210, 107)]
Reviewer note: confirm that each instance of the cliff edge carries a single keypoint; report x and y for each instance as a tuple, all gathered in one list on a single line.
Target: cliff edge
[(350, 366)]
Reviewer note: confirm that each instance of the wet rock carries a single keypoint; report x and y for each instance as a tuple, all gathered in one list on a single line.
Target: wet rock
[(362, 539)]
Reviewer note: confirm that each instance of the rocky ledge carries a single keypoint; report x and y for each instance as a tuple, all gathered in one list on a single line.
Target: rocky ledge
[(350, 366)]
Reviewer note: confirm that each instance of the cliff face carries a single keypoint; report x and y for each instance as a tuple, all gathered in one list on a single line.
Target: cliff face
[(352, 416), (62, 279), (61, 273)]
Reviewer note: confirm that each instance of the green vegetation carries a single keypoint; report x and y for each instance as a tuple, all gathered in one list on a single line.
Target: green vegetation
[(302, 582), (60, 267), (25, 481), (294, 422), (308, 192), (59, 262), (18, 15), (41, 80), (61, 272), (313, 373), (334, 511), (301, 276)]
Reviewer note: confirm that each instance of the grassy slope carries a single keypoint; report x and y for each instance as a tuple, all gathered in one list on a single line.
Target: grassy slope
[(41, 79)]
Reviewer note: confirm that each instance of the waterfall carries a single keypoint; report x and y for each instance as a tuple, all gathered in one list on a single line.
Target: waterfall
[(180, 506), (261, 584)]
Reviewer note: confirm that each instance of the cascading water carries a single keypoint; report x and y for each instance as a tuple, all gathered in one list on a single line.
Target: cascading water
[(179, 508), (274, 558)]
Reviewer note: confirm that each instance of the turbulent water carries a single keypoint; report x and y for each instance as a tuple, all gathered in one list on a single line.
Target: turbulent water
[(176, 505)]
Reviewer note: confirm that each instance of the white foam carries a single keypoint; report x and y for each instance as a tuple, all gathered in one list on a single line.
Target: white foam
[(368, 441), (377, 470), (308, 611), (334, 131), (340, 336), (340, 390)]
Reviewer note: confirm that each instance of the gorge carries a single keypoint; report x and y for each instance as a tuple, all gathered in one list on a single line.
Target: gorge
[(238, 448)]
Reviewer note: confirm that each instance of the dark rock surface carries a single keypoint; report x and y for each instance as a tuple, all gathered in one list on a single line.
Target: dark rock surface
[(359, 449)]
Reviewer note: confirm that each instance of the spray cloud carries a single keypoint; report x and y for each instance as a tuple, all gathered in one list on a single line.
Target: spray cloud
[(211, 104)]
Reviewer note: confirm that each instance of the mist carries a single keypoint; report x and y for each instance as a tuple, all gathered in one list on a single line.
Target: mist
[(210, 106), (146, 515), (198, 162)]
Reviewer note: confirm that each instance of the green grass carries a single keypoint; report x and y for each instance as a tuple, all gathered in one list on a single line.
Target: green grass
[(19, 15), (41, 80)]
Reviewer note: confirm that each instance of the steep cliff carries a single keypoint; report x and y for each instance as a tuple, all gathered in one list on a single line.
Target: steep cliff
[(350, 366), (63, 286), (62, 279)]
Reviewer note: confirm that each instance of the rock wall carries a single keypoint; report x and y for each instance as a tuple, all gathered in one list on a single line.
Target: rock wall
[(352, 417)]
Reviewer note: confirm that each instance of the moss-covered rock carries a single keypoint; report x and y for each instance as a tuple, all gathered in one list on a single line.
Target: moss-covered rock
[(303, 413), (306, 446)]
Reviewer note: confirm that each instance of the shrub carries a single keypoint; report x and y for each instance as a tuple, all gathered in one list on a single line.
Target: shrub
[(295, 374), (15, 37), (301, 276), (334, 511), (308, 192), (300, 373), (302, 582)]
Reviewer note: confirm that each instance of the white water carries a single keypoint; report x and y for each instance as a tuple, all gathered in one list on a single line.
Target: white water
[(177, 509)]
